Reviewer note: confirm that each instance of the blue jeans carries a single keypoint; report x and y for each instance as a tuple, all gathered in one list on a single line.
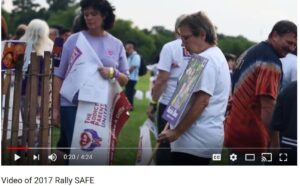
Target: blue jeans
[(67, 122)]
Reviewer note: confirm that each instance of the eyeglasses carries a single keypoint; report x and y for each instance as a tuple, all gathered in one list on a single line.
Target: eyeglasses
[(185, 38)]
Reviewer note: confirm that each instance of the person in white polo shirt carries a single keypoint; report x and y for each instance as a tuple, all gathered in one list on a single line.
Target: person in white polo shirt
[(172, 63)]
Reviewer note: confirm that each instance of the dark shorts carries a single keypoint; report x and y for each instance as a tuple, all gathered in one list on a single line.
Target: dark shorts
[(163, 154), (67, 121)]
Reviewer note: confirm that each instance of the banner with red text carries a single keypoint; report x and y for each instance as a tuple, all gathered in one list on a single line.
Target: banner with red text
[(97, 127)]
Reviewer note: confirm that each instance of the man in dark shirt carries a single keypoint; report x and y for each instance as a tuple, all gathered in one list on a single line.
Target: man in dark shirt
[(285, 121)]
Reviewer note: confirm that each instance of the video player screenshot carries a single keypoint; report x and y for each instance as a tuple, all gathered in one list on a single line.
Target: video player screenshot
[(88, 86)]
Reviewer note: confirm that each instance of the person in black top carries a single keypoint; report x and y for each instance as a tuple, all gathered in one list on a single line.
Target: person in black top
[(285, 121)]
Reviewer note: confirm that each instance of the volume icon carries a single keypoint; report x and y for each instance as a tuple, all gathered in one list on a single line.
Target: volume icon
[(52, 157)]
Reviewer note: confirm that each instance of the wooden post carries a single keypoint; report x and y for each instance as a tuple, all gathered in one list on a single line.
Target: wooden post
[(45, 125), (5, 81), (34, 71), (2, 85), (25, 118), (5, 119), (16, 108), (51, 104)]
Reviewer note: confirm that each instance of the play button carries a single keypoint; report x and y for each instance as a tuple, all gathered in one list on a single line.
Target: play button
[(17, 157)]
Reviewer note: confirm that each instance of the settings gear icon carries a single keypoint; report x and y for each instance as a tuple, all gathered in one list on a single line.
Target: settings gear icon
[(233, 157)]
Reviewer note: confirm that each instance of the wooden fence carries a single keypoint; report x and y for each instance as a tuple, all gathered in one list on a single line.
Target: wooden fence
[(26, 117)]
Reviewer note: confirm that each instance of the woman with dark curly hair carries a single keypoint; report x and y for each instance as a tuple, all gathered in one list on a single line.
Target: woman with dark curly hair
[(97, 16)]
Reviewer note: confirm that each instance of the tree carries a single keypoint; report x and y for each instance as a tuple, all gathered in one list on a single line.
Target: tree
[(24, 11), (124, 30), (161, 36), (235, 45), (22, 6), (67, 15), (55, 5), (6, 16), (149, 43)]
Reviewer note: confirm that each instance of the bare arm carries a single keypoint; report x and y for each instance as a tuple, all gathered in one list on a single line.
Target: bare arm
[(122, 79), (131, 69), (157, 90), (57, 83), (160, 84), (275, 142), (267, 106), (201, 101)]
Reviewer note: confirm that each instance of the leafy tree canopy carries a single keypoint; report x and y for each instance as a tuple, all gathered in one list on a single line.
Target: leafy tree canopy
[(149, 42), (55, 5)]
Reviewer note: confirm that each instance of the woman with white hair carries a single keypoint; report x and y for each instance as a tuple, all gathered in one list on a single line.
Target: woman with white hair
[(37, 32)]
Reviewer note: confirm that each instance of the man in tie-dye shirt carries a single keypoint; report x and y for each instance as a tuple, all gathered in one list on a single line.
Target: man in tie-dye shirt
[(256, 82)]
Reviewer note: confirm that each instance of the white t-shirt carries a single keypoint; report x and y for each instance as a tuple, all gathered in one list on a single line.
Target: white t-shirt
[(172, 60), (289, 68), (206, 135)]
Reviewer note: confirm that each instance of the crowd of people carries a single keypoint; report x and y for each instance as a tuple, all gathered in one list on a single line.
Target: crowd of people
[(245, 104)]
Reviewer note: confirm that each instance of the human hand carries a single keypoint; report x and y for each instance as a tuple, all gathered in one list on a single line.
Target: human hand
[(56, 118), (104, 72), (168, 135)]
